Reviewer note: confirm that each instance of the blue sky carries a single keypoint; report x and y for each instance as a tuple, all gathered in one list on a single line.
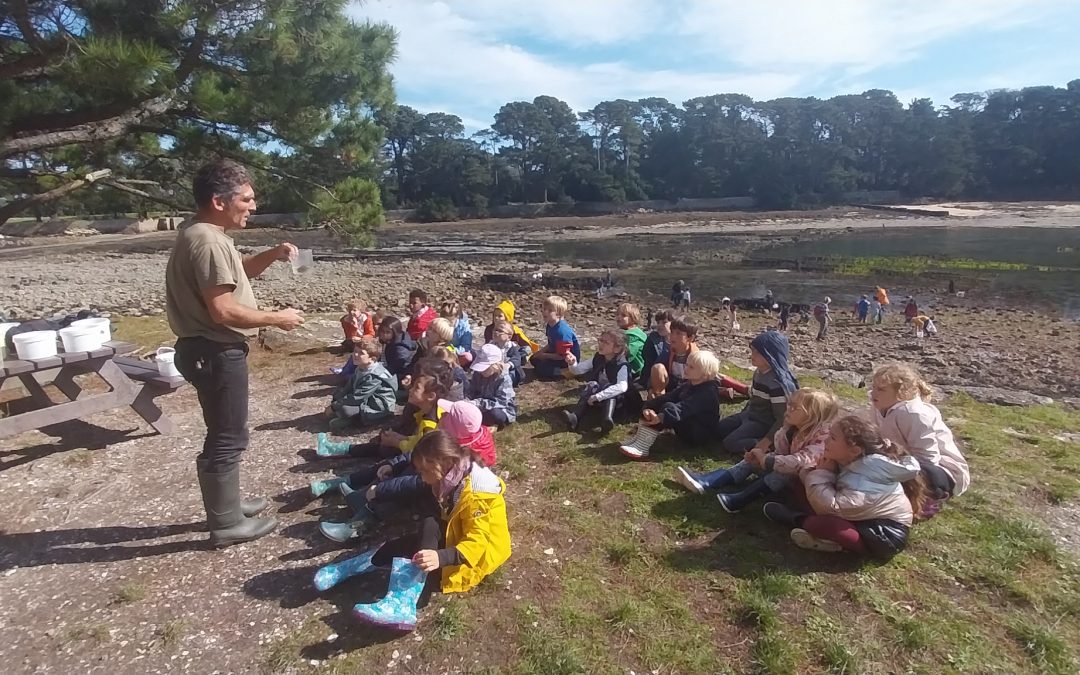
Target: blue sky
[(468, 57)]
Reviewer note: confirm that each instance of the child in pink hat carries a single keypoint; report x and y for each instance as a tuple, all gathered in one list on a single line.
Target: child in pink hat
[(465, 423)]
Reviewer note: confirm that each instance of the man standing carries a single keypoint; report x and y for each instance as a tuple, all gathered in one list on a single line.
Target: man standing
[(212, 310)]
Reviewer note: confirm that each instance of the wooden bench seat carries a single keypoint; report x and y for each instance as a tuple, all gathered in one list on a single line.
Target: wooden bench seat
[(146, 371)]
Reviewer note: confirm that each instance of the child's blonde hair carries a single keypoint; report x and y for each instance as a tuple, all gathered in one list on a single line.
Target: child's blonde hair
[(503, 326), (451, 309), (442, 330), (905, 380), (706, 361), (820, 406), (353, 305), (630, 311), (556, 303)]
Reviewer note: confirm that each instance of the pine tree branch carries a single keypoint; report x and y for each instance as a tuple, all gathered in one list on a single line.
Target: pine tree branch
[(91, 131), (118, 185), (17, 206)]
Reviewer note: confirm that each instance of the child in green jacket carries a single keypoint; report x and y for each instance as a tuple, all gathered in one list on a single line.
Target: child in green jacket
[(628, 316), (370, 393)]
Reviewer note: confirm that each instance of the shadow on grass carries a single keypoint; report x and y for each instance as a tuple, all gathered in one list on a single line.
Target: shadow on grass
[(73, 435), (312, 424), (325, 392), (66, 547)]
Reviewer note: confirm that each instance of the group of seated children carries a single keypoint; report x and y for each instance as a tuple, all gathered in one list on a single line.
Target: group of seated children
[(851, 483)]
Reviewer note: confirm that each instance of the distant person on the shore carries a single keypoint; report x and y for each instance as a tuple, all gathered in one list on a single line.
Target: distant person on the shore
[(676, 293), (911, 310), (900, 402), (550, 361), (211, 309), (684, 298), (821, 314), (628, 318), (924, 326), (863, 308), (420, 314), (769, 301), (882, 298), (782, 319)]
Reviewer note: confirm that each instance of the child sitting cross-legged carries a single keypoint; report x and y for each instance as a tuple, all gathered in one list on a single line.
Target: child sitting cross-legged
[(471, 541), (430, 383), (459, 378), (608, 387), (561, 340), (355, 324), (489, 387), (399, 351), (369, 395), (393, 480), (691, 410), (797, 445), (628, 318), (757, 423), (657, 347), (512, 339), (863, 494)]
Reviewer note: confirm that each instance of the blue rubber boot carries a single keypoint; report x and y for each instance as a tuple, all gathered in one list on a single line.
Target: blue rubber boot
[(333, 574), (397, 609), (700, 482), (321, 487), (329, 448), (354, 527)]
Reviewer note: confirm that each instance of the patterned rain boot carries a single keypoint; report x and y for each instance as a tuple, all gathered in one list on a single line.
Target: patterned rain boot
[(354, 527), (333, 574), (638, 446), (329, 448), (321, 487), (397, 609)]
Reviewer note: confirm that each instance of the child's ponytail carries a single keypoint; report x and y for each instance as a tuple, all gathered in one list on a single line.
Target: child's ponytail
[(905, 380), (864, 435)]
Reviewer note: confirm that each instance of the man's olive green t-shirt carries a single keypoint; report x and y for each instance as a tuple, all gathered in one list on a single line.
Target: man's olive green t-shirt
[(204, 257)]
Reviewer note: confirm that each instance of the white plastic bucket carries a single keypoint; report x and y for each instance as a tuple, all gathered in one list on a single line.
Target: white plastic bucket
[(166, 357), (103, 326), (81, 338), (37, 344)]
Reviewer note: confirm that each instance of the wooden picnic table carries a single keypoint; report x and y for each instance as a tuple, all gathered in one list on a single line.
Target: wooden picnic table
[(107, 363)]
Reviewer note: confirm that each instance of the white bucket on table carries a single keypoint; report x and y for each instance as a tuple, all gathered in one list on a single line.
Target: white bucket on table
[(37, 344), (166, 362), (103, 326), (81, 338)]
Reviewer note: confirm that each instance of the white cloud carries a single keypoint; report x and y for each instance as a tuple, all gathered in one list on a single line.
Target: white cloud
[(471, 56)]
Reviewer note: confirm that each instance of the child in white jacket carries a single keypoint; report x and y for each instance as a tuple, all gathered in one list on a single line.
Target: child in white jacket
[(864, 493), (903, 414)]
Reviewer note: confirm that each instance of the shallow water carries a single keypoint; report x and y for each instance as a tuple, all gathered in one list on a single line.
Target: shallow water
[(651, 263)]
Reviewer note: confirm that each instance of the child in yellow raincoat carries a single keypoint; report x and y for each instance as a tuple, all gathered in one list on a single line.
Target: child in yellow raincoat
[(474, 543), (517, 344)]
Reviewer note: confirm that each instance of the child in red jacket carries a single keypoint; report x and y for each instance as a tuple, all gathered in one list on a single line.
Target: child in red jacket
[(420, 314)]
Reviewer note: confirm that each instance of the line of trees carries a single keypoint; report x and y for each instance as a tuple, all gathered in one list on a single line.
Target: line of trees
[(1010, 144), (109, 106)]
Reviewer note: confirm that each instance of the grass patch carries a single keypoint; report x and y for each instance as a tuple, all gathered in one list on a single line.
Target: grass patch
[(97, 633), (170, 633), (129, 593), (82, 458), (1047, 650), (450, 620)]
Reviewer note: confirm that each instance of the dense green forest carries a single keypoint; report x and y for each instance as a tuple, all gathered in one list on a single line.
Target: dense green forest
[(108, 106)]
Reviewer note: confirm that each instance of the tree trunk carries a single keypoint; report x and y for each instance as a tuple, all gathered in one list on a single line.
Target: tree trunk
[(9, 210)]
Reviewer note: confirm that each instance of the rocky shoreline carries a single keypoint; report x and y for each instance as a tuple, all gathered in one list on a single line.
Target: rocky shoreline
[(1000, 348)]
